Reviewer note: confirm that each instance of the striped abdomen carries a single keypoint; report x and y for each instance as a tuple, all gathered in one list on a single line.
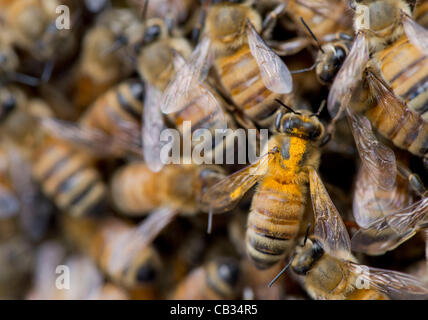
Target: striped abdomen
[(241, 78), (405, 70), (123, 102), (68, 177), (274, 220)]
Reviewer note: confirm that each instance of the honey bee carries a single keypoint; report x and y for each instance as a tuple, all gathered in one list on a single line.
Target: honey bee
[(32, 24), (119, 249), (219, 279), (68, 176), (136, 190), (282, 174), (328, 252), (371, 81), (327, 18), (85, 283), (100, 65), (249, 72), (110, 126), (160, 60)]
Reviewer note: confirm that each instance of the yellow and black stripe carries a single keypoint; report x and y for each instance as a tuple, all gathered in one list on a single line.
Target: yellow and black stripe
[(125, 101), (68, 177), (240, 76)]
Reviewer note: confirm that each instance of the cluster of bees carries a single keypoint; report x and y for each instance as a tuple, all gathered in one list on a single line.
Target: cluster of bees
[(83, 187)]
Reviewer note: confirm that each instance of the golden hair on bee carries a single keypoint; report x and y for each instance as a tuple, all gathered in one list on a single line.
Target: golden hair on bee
[(279, 202)]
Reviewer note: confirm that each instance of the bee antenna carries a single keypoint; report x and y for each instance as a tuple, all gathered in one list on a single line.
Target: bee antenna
[(144, 10), (320, 109), (312, 35), (306, 234), (312, 67), (281, 272), (286, 107)]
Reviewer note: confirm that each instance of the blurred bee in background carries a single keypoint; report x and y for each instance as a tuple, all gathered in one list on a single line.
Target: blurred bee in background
[(328, 252), (101, 64), (250, 74), (376, 83), (136, 190), (68, 176), (219, 279), (160, 60), (85, 283), (32, 25), (174, 12), (278, 204), (121, 250)]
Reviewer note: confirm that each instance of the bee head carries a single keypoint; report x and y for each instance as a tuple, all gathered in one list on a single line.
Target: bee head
[(224, 274), (330, 61), (143, 270), (306, 256), (155, 30), (378, 16), (302, 124)]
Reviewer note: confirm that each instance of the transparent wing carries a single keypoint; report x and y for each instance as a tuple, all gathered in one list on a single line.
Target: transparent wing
[(153, 124), (395, 285), (371, 202), (378, 159), (140, 237), (387, 233), (348, 76), (224, 195), (417, 34), (275, 73), (329, 226), (9, 204), (181, 89), (96, 141)]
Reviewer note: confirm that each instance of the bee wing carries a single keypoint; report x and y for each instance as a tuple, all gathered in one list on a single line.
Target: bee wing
[(396, 285), (225, 194), (275, 73), (184, 85), (371, 202), (141, 237), (329, 226), (96, 141), (378, 159), (348, 76), (9, 204), (153, 124), (387, 233), (417, 34)]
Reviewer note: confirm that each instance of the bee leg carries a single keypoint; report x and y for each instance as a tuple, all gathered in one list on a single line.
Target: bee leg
[(270, 20), (415, 181), (425, 160), (196, 31), (289, 47)]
